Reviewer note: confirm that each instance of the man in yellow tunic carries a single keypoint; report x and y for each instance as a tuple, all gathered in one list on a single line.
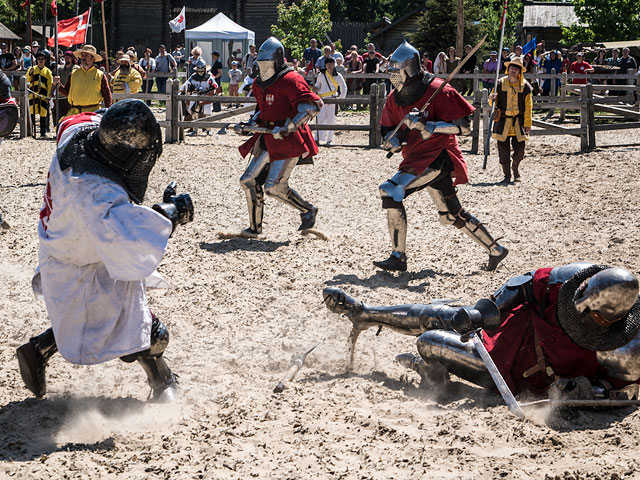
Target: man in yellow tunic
[(126, 79), (512, 117), (87, 87), (40, 80)]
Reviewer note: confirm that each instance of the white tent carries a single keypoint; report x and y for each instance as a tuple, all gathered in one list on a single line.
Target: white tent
[(221, 34)]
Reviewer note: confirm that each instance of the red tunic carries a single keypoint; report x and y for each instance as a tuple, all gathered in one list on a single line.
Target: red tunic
[(418, 154), (512, 345), (276, 103)]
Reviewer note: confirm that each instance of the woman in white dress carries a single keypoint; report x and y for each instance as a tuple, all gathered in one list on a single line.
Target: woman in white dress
[(329, 84), (440, 64)]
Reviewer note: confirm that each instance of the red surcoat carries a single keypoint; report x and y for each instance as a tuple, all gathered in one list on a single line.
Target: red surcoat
[(418, 154), (276, 103), (512, 345)]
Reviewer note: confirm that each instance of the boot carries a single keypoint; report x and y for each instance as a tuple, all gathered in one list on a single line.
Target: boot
[(516, 172), (308, 218), (432, 375), (397, 261), (507, 174), (494, 260), (33, 357), (163, 382), (475, 229)]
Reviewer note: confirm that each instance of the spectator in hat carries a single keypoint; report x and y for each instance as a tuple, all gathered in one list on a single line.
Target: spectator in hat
[(88, 87), (7, 59), (35, 46), (40, 81), (503, 60), (235, 79), (490, 67), (27, 59), (148, 64), (165, 63), (581, 67), (126, 79)]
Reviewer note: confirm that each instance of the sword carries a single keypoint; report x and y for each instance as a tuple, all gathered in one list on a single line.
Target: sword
[(295, 367), (508, 397), (441, 87)]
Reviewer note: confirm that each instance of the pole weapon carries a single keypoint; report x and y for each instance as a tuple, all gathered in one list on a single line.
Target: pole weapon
[(441, 87), (487, 146), (295, 367)]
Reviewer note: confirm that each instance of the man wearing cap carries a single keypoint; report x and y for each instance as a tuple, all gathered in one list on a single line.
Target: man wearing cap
[(40, 81), (489, 67), (504, 59), (87, 87), (513, 117), (126, 79), (8, 60), (165, 63), (576, 321), (581, 67)]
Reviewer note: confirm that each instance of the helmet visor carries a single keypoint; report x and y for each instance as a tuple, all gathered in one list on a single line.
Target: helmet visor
[(397, 79), (267, 69)]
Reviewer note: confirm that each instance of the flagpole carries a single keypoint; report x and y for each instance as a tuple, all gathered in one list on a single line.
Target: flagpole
[(56, 57), (104, 34), (29, 23), (487, 146)]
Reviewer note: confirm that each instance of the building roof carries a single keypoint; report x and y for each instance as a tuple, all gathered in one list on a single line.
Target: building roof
[(6, 34), (549, 15), (413, 12)]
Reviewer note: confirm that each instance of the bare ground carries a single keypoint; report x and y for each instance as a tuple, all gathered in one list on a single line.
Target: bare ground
[(240, 310)]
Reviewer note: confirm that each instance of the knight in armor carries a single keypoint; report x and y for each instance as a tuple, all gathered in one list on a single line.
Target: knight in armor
[(201, 82), (99, 248), (285, 105), (577, 321), (431, 155)]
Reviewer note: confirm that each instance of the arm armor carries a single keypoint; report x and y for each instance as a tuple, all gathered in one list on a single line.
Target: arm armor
[(306, 112), (177, 208), (515, 291), (417, 121)]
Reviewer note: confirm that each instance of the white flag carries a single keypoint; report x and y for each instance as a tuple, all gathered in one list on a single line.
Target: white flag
[(179, 23)]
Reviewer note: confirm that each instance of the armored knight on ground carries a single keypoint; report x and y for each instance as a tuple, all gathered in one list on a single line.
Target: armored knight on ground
[(431, 155), (285, 106), (201, 82), (575, 321), (99, 247)]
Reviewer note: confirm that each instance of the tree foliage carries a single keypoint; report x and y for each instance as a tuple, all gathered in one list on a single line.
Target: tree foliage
[(606, 20), (491, 15), (371, 10), (300, 22), (14, 16)]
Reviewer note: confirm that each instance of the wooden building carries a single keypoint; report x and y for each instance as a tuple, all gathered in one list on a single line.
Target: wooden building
[(8, 36), (388, 38), (545, 20)]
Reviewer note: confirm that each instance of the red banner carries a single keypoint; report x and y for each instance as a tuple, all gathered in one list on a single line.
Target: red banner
[(54, 8), (72, 31)]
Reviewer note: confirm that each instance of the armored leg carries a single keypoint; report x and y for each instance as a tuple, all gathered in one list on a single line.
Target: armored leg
[(253, 189), (452, 213), (33, 357), (413, 319), (163, 382), (277, 185), (439, 347)]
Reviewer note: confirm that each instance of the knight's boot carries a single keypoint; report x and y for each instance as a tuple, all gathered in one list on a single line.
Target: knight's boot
[(397, 221), (255, 203), (516, 172), (163, 382), (413, 319), (506, 170), (33, 357), (432, 374), (308, 219), (475, 229)]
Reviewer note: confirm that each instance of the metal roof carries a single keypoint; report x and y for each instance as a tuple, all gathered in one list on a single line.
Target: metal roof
[(545, 16), (7, 34)]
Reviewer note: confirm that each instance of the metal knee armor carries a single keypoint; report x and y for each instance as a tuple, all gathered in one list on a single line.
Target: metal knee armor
[(277, 184)]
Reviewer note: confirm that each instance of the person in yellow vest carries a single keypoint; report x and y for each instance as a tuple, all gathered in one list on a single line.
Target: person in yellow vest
[(329, 84), (512, 118), (87, 87), (40, 81), (126, 79)]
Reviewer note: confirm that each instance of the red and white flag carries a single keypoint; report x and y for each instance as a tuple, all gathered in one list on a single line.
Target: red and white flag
[(179, 23), (72, 31), (54, 8)]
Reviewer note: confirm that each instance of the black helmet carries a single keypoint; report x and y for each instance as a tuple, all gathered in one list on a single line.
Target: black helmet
[(129, 141)]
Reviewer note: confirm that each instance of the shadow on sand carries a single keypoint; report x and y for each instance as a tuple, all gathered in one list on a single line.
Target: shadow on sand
[(248, 245), (390, 280)]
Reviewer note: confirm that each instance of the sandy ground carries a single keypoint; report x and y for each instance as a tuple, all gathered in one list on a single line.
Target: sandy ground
[(240, 310)]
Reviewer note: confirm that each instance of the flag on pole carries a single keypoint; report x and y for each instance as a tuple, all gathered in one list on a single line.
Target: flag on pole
[(26, 2), (54, 8), (72, 31), (530, 46), (179, 23)]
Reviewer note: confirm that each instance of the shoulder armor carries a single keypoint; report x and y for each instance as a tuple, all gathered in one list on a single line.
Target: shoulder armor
[(565, 272)]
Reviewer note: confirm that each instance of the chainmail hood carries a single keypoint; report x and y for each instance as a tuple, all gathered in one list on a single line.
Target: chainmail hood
[(581, 328), (413, 89)]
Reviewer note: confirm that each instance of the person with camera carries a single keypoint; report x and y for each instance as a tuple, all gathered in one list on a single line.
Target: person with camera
[(100, 247)]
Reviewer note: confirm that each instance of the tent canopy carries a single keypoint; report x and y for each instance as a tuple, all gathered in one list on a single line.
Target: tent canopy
[(220, 27)]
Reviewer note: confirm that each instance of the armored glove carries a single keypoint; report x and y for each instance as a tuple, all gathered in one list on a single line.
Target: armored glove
[(392, 143), (177, 208), (280, 132), (418, 121)]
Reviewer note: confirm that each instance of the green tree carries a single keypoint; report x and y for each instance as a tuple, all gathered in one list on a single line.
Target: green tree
[(604, 21), (491, 15), (371, 10), (437, 27), (300, 22)]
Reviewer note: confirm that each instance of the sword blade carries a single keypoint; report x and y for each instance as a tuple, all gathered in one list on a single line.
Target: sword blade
[(503, 388)]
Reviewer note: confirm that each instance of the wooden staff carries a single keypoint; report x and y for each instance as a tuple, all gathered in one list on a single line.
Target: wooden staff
[(104, 34)]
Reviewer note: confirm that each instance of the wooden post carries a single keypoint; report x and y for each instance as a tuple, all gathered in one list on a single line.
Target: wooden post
[(168, 132), (563, 94), (382, 99), (460, 29), (476, 81), (553, 84), (584, 121), (591, 120), (373, 115), (638, 92), (475, 132), (24, 108), (486, 111)]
